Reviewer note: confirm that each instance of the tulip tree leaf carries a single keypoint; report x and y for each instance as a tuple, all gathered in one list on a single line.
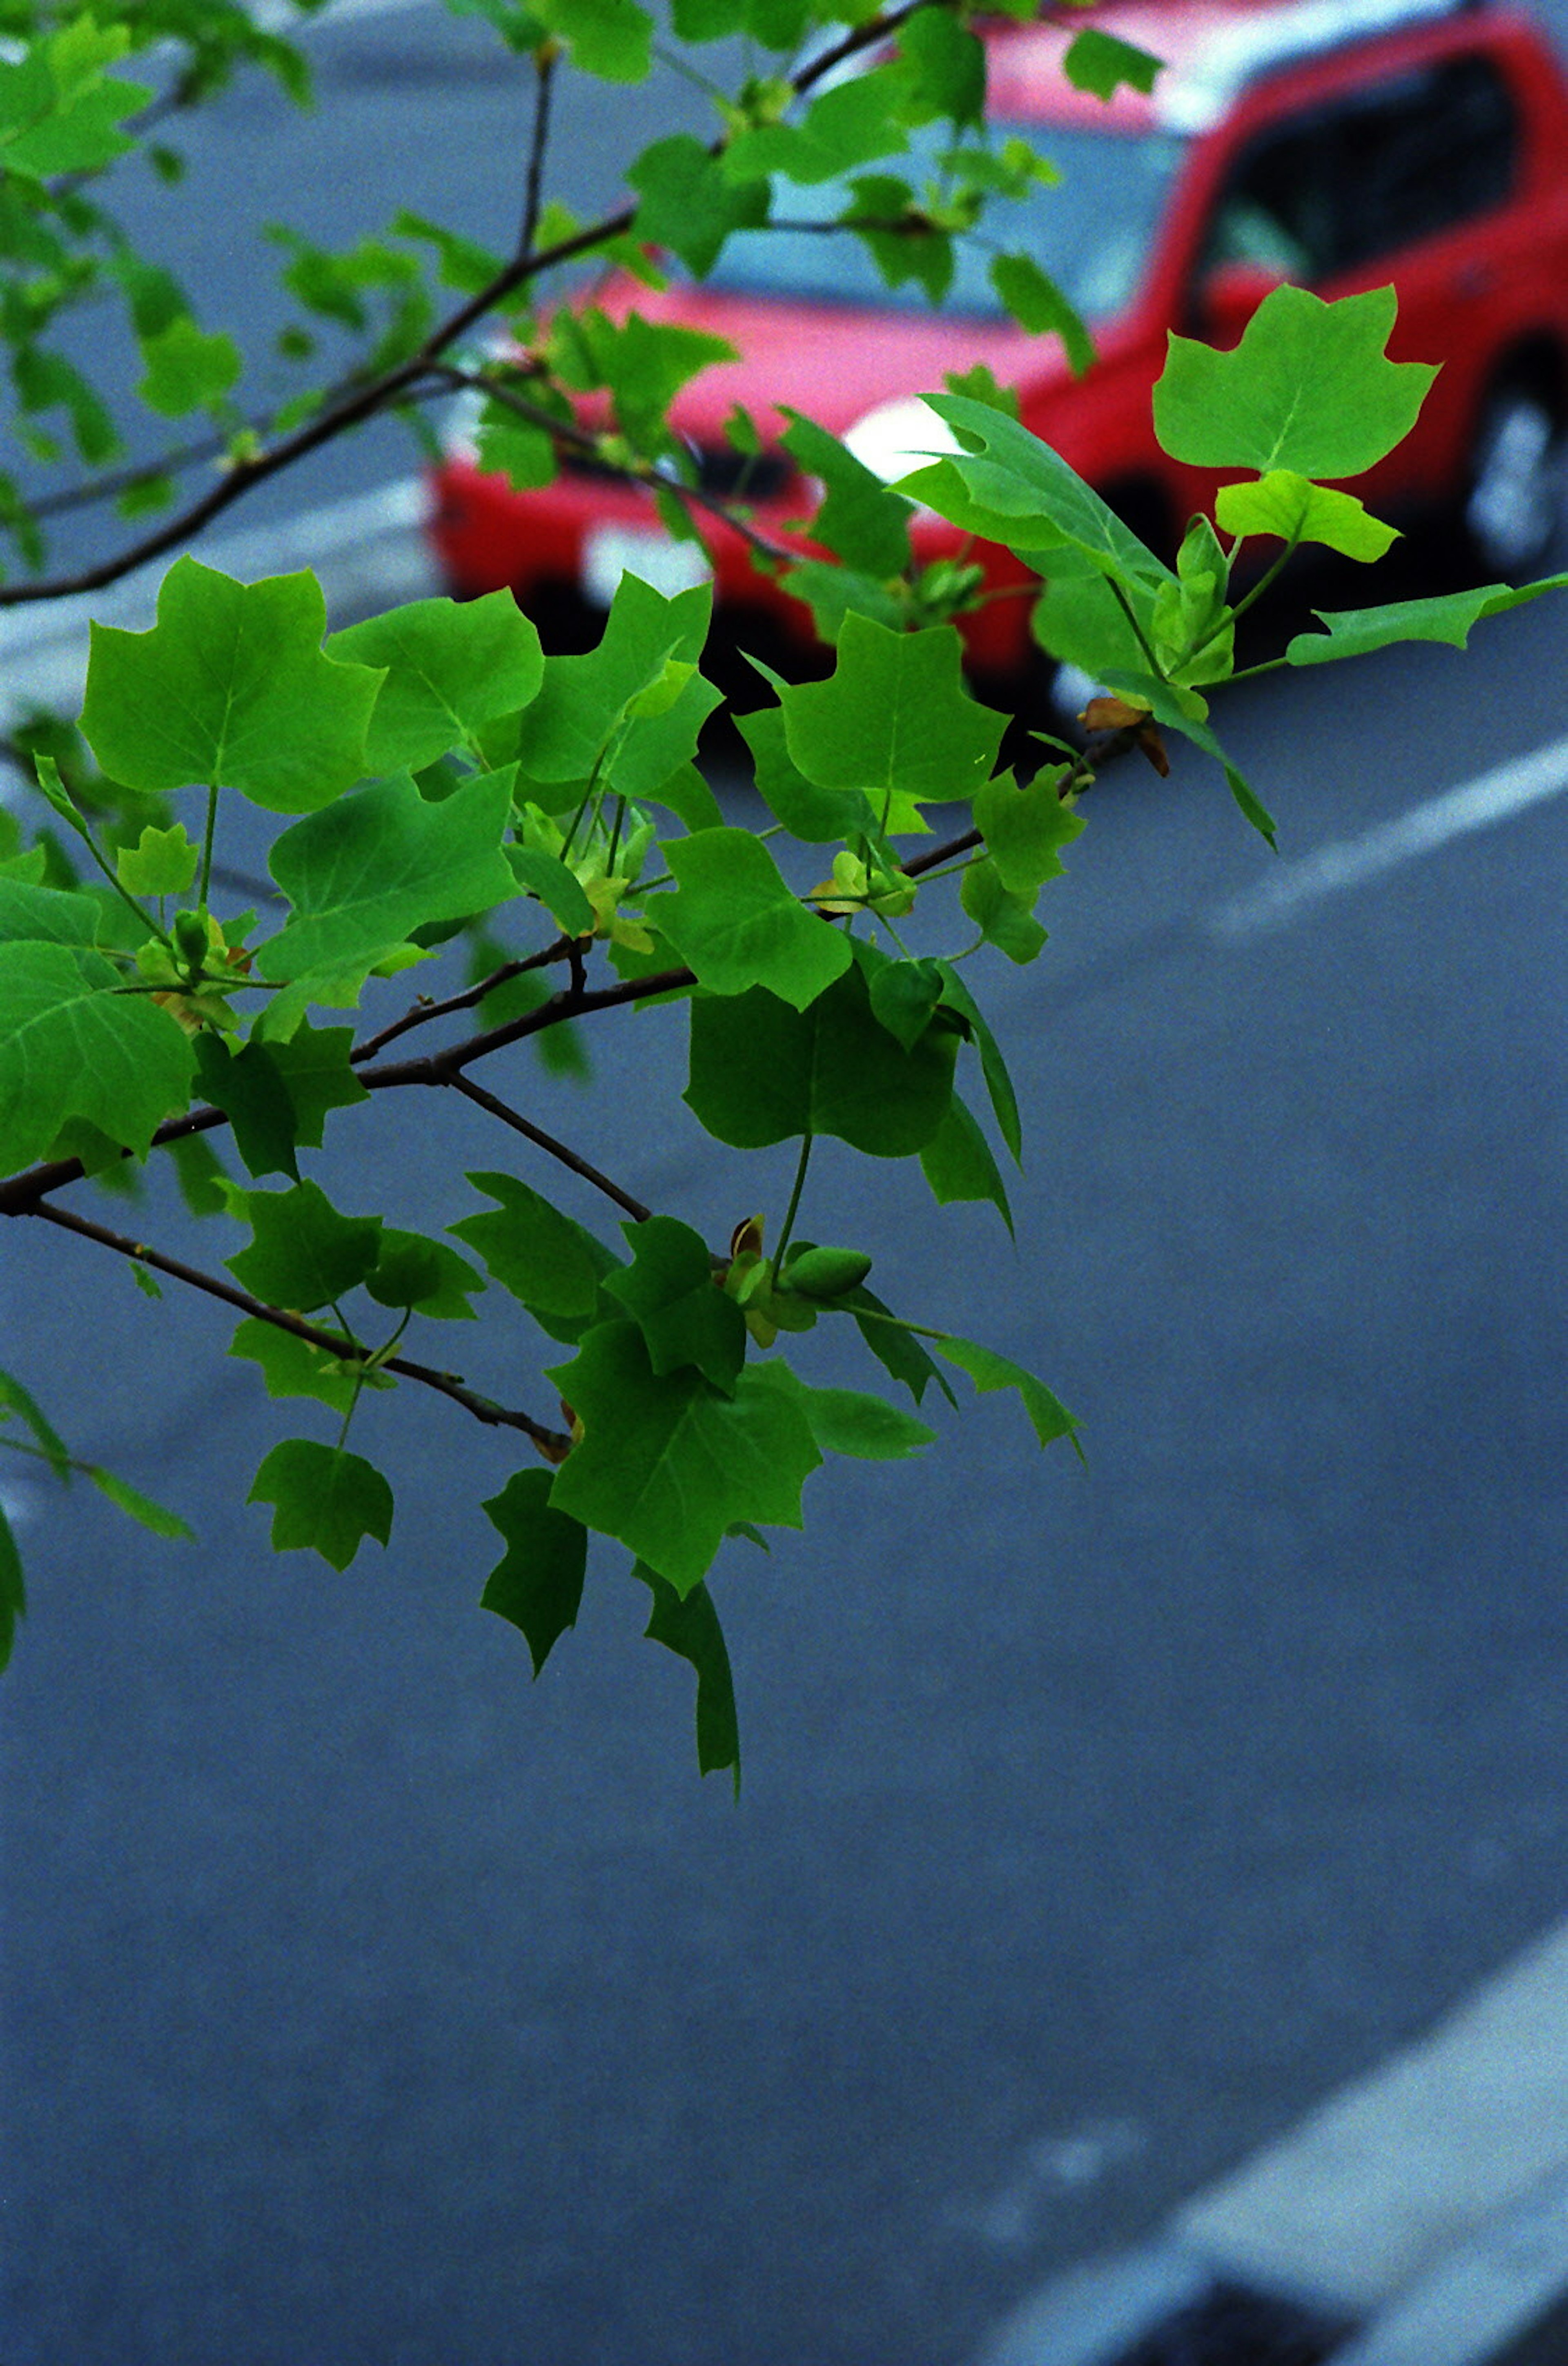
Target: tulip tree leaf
[(762, 1072), (852, 1422), (1294, 509), (893, 720), (188, 368), (667, 1463), (1099, 63), (1036, 303), (248, 1086), (1017, 491), (1309, 387), (608, 38), (536, 1586), (1025, 828), (1449, 618), (542, 1256), (304, 1252), (293, 1367), (230, 687), (688, 1626), (326, 1500), (1048, 1416), (374, 866), (143, 1509), (959, 1163), (72, 1047), (860, 520), (690, 204), (426, 1275), (736, 924), (450, 666), (669, 1290)]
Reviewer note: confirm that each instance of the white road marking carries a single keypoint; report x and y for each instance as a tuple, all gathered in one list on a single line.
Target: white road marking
[(1351, 863), (1429, 2202), (367, 550)]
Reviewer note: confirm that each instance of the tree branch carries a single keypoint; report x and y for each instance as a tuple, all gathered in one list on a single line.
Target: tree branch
[(553, 1444), (545, 61), (561, 1150), (403, 381)]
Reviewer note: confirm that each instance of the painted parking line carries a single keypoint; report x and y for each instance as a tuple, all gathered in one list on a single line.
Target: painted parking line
[(1425, 2205), (1351, 863)]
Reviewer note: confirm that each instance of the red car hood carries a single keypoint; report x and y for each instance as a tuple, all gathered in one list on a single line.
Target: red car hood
[(833, 362)]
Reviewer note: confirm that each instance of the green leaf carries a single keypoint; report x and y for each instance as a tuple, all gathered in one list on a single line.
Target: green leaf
[(959, 1163), (1025, 828), (248, 1086), (585, 699), (1296, 510), (230, 687), (374, 866), (30, 914), (292, 1366), (508, 447), (1449, 618), (304, 1253), (1036, 303), (15, 1399), (859, 520), (542, 1258), (1309, 388), (138, 1506), (73, 1046), (851, 1422), (736, 924), (327, 1500), (642, 363), (821, 817), (314, 1065), (957, 998), (667, 1463), (558, 890), (1014, 489), (670, 1290), (199, 1173), (1004, 919), (899, 1351), (856, 121), (188, 369), (162, 862), (450, 666), (894, 721), (611, 39), (424, 1274), (762, 1072), (536, 1586), (1100, 64), (903, 997), (688, 1626), (13, 1590), (1048, 1416), (690, 204)]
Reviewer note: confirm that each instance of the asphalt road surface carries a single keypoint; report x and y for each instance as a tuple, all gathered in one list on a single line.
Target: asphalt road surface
[(368, 2006)]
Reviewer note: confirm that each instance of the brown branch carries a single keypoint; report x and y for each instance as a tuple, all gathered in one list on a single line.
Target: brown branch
[(545, 62), (552, 1443), (403, 381), (561, 1150), (420, 1014)]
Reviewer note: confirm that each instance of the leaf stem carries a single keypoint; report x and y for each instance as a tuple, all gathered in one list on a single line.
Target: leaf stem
[(790, 1213), (207, 845)]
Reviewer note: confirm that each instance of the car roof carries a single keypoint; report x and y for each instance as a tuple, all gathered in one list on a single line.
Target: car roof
[(1212, 50)]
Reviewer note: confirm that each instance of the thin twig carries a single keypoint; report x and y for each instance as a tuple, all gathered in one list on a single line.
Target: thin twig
[(420, 1014), (547, 1142), (405, 380), (545, 61), (550, 1442)]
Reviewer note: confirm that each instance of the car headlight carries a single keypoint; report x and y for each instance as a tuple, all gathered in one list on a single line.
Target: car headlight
[(899, 437)]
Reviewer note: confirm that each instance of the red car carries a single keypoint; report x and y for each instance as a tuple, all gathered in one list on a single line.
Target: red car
[(1338, 143)]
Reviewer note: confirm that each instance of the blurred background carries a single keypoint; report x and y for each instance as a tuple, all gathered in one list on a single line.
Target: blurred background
[(366, 2005)]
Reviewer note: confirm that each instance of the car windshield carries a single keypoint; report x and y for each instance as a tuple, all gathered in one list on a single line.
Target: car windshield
[(1091, 232)]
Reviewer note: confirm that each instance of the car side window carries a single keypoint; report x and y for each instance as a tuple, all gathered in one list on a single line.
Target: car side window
[(1369, 174)]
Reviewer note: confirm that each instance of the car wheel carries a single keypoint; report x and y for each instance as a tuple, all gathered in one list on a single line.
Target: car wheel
[(1512, 510)]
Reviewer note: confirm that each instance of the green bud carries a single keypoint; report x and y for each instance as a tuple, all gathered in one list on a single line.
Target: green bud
[(192, 940), (827, 1273)]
